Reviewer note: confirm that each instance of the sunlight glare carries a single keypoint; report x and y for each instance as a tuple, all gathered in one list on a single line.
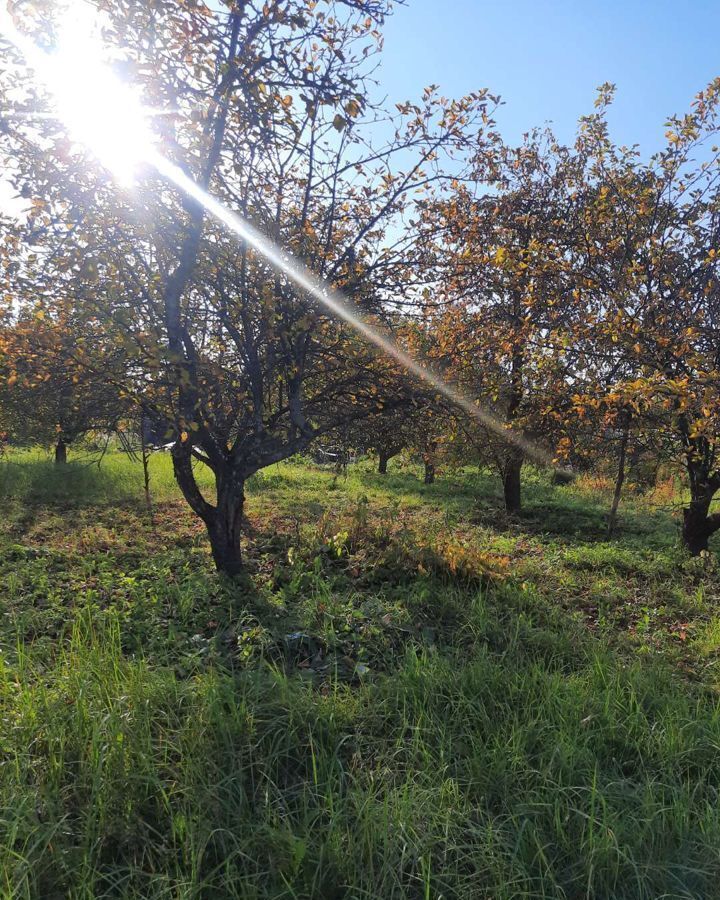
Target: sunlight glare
[(100, 111)]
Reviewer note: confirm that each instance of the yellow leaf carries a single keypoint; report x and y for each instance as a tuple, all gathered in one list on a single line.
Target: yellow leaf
[(500, 256)]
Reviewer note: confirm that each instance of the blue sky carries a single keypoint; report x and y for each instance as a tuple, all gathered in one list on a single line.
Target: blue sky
[(546, 58)]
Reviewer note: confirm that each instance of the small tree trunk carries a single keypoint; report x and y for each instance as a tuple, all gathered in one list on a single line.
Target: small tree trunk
[(429, 471), (612, 518), (146, 474), (60, 452), (511, 484), (383, 463)]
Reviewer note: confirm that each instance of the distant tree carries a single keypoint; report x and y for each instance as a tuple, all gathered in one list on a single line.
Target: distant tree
[(650, 269), (58, 379), (428, 439), (502, 300)]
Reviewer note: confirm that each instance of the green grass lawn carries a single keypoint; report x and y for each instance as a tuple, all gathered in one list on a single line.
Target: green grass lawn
[(409, 696)]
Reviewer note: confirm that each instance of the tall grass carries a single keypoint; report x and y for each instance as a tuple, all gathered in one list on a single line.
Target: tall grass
[(509, 754), (534, 769)]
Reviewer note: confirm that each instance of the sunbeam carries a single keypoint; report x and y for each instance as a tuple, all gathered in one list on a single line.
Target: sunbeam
[(339, 305)]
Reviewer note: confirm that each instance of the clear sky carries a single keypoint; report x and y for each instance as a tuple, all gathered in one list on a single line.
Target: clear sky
[(546, 57)]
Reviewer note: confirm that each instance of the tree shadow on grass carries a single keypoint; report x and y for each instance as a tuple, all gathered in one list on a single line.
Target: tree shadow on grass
[(546, 509), (74, 484)]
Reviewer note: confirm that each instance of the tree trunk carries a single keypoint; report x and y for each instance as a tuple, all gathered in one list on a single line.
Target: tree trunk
[(429, 472), (224, 520), (699, 525), (60, 452), (514, 459), (225, 526), (146, 474), (511, 484), (612, 518), (385, 455)]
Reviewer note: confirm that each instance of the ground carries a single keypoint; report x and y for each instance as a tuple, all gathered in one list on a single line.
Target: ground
[(409, 696)]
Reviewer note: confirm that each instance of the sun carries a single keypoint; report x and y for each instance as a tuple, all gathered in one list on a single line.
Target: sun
[(99, 109)]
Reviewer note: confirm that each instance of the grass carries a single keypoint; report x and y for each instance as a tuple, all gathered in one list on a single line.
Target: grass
[(409, 697)]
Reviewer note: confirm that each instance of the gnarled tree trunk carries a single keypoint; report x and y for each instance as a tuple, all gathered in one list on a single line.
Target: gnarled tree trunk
[(385, 454), (224, 520), (225, 528), (699, 524)]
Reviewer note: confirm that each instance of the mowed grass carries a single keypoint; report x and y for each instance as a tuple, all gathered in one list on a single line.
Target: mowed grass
[(409, 696)]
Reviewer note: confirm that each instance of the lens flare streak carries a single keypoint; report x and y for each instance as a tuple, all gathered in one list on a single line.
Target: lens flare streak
[(340, 306)]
